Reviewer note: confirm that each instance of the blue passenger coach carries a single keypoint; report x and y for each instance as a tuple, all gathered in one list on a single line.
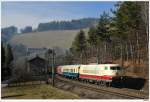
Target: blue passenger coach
[(71, 71)]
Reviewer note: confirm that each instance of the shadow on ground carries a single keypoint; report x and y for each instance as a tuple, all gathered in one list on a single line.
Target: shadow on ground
[(9, 96), (129, 82)]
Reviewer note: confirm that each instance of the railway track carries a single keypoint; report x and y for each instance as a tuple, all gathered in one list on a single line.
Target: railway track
[(105, 90)]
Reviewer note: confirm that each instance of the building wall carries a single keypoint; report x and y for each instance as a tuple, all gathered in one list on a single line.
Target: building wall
[(37, 66)]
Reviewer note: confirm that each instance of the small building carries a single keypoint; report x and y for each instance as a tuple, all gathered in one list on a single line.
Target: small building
[(37, 66)]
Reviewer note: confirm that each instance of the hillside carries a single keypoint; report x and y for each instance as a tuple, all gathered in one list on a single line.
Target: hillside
[(49, 39), (74, 24)]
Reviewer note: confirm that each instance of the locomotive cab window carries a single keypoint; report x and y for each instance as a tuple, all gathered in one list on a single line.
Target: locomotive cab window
[(115, 68)]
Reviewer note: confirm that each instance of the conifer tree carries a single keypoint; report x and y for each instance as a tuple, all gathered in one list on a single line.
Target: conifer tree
[(103, 33), (92, 37), (79, 45), (9, 55), (80, 42), (2, 54)]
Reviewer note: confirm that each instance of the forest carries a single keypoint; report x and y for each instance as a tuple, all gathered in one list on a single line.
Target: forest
[(122, 39), (6, 60), (67, 25)]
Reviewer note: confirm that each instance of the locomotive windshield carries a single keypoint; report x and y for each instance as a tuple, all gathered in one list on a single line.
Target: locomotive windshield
[(115, 68)]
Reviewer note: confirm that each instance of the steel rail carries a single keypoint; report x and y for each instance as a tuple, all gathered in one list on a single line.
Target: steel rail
[(102, 90)]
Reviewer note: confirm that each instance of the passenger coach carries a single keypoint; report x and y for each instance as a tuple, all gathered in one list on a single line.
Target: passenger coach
[(70, 71)]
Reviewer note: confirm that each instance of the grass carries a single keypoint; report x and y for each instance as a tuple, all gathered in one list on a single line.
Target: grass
[(54, 38), (36, 92)]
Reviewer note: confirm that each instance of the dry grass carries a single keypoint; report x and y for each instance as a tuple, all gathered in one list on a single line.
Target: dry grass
[(135, 69), (57, 38), (36, 92)]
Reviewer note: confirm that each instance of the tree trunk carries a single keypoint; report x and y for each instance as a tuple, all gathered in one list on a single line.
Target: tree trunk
[(137, 43), (81, 57), (114, 54), (127, 54), (131, 51), (85, 54), (98, 57), (121, 54), (105, 49)]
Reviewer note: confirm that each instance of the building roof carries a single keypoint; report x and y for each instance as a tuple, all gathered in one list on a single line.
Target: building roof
[(36, 57), (33, 56)]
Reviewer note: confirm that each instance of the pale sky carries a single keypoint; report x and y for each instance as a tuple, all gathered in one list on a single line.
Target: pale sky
[(30, 13)]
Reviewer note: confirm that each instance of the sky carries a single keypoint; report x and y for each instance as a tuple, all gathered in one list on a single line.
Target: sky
[(30, 13)]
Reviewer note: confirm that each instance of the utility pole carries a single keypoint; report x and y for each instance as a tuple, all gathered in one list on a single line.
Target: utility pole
[(53, 54)]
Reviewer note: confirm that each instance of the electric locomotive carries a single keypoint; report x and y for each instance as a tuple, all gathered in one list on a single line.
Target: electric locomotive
[(101, 73)]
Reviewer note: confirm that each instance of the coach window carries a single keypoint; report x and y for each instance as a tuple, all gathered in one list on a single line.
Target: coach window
[(106, 67)]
